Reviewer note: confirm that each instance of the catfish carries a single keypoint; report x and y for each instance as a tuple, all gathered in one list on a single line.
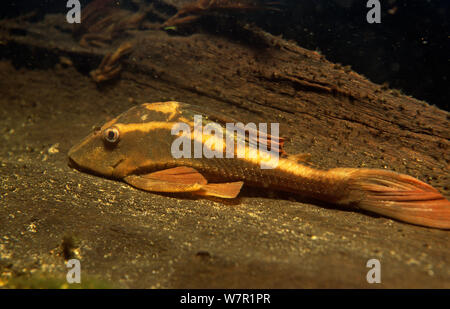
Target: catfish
[(137, 147)]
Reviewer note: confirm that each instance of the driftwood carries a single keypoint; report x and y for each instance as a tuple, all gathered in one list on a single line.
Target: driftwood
[(324, 109)]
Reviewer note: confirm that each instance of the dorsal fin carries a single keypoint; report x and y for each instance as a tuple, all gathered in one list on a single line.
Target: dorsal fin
[(266, 140)]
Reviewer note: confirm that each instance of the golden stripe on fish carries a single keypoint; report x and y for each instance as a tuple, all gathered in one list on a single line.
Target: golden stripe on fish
[(170, 108)]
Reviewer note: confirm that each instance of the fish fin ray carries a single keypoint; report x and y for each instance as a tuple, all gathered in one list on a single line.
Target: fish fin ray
[(154, 185), (180, 174), (401, 197), (223, 190), (178, 179), (266, 141)]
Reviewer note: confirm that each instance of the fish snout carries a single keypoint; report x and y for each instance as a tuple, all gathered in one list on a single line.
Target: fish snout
[(90, 155)]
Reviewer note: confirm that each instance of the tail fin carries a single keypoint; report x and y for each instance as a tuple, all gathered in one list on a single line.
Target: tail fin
[(399, 196)]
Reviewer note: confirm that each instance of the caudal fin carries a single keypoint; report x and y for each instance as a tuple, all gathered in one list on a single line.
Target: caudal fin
[(399, 196)]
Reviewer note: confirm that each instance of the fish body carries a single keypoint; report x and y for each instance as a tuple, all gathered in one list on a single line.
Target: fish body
[(142, 147)]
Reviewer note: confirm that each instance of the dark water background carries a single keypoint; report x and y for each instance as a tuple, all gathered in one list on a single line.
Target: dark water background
[(409, 50)]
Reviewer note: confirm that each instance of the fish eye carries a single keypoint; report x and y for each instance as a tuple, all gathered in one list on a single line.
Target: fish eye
[(111, 135)]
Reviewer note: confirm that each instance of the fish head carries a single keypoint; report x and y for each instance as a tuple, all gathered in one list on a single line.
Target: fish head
[(136, 141)]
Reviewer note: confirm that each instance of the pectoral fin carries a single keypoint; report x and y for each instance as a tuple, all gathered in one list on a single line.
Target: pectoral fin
[(181, 174), (183, 179), (178, 179)]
